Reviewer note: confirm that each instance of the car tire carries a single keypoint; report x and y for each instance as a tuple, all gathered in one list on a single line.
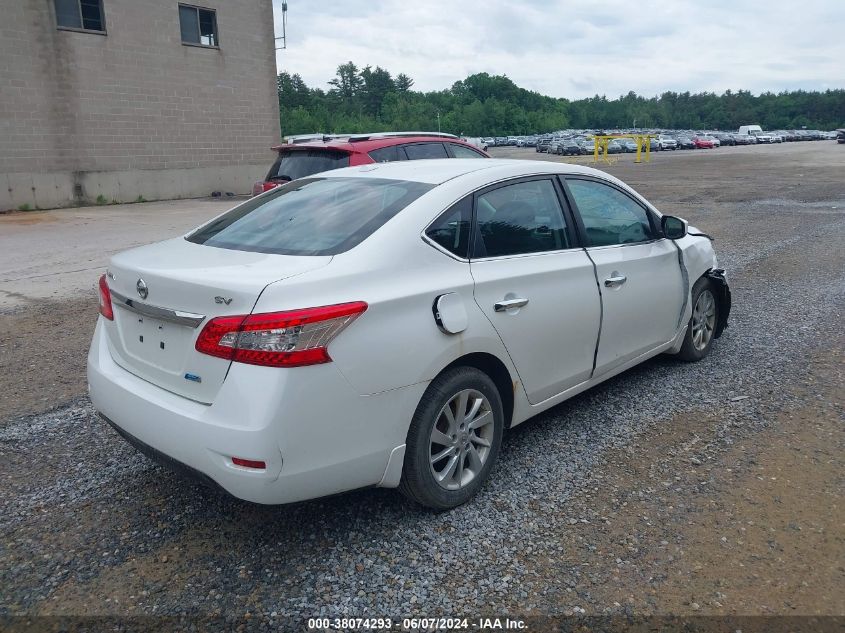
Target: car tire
[(698, 340), (419, 473)]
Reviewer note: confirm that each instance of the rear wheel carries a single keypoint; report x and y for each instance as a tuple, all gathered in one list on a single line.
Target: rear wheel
[(702, 324), (453, 440)]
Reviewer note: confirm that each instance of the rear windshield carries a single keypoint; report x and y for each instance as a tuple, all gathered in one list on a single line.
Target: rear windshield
[(313, 216), (293, 164)]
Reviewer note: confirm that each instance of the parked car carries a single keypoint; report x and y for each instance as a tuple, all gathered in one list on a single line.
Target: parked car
[(685, 142), (840, 136), (543, 144), (702, 142), (554, 144), (298, 160), (568, 147), (587, 145), (667, 142), (343, 330), (725, 138), (615, 147), (762, 137), (629, 145)]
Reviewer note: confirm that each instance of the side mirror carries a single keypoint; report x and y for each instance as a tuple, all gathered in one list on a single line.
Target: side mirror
[(673, 228)]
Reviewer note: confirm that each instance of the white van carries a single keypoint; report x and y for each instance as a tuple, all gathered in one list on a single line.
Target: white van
[(750, 129)]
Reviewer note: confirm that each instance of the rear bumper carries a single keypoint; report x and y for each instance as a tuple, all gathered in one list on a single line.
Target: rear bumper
[(315, 433), (165, 460)]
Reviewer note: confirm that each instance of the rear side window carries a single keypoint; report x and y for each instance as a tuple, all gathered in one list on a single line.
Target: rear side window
[(313, 216), (462, 151), (388, 154), (425, 150), (293, 164), (525, 217), (451, 229)]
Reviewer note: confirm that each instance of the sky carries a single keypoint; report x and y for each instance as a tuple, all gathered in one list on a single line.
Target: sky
[(575, 48)]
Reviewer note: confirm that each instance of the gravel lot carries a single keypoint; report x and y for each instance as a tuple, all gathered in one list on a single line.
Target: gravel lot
[(679, 489)]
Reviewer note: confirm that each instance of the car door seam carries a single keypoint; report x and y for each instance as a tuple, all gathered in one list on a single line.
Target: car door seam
[(685, 278), (601, 312)]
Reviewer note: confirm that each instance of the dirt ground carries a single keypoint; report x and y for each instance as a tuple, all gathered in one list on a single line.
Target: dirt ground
[(763, 531), (732, 507)]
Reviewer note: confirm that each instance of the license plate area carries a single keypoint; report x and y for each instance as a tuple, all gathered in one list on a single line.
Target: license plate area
[(155, 342)]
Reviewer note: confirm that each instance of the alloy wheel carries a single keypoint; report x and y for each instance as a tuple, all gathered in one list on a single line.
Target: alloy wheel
[(461, 439), (703, 320)]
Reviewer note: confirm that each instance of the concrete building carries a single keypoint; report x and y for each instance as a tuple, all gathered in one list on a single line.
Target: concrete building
[(116, 100)]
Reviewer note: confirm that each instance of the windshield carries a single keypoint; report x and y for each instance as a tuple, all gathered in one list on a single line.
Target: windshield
[(293, 164), (313, 216)]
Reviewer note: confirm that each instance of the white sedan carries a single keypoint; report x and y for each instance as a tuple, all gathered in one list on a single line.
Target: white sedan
[(383, 325)]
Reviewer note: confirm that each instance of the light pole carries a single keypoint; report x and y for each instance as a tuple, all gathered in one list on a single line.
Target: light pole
[(438, 121)]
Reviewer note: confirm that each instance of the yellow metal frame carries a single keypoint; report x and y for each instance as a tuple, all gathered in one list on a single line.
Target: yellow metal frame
[(601, 141)]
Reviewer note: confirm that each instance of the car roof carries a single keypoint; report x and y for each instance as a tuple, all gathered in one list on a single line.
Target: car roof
[(436, 171), (366, 145)]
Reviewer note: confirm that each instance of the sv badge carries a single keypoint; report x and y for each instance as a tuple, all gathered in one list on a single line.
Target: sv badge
[(222, 300)]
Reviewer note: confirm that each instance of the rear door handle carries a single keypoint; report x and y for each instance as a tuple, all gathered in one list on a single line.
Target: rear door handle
[(615, 280), (507, 304)]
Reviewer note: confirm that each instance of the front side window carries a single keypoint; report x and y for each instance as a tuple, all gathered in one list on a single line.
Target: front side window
[(609, 216), (312, 216), (419, 151), (293, 164), (524, 217), (451, 229), (80, 14), (462, 151), (198, 25)]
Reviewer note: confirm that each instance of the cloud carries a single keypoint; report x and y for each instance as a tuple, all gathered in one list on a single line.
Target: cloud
[(574, 48)]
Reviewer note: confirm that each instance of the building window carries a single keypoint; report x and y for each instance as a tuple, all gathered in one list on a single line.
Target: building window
[(80, 14), (198, 25)]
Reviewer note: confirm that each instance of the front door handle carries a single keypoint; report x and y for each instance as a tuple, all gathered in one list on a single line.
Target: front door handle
[(508, 304), (615, 280)]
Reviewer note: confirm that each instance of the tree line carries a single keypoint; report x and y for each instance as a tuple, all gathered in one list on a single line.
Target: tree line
[(372, 100)]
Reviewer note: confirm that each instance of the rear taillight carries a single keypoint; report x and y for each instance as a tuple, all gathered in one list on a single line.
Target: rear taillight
[(105, 299), (262, 185), (278, 339)]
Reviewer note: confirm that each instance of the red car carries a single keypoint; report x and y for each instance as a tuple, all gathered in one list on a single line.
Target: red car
[(702, 142), (310, 155)]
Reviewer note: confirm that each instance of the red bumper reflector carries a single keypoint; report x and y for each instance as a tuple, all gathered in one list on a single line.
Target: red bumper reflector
[(249, 463)]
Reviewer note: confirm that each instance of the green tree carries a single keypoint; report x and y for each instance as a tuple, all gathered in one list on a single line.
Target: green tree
[(347, 83), (403, 83), (375, 84), (370, 99)]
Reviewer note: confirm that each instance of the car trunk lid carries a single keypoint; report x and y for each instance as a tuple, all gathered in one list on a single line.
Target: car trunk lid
[(164, 293)]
